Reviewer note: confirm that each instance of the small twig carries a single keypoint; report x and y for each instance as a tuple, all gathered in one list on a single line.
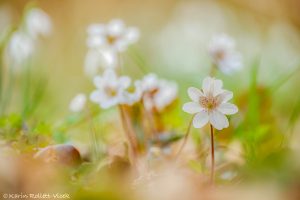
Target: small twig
[(151, 122), (129, 134)]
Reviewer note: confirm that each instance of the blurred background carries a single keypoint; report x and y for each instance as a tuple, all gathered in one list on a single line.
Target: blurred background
[(173, 43), (174, 37)]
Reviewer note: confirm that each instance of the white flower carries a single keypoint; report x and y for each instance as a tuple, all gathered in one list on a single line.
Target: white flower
[(112, 90), (96, 58), (23, 42), (210, 105), (20, 48), (114, 35), (133, 94), (224, 55), (37, 22), (157, 93), (78, 102)]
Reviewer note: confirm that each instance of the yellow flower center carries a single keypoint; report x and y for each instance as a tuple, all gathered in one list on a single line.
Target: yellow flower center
[(219, 55), (209, 102), (110, 91), (153, 92), (111, 39)]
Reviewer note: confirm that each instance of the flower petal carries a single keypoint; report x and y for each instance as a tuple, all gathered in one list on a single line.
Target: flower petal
[(231, 63), (132, 34), (124, 82), (107, 103), (96, 96), (218, 120), (211, 86), (110, 77), (96, 29), (225, 96), (98, 81), (192, 107), (77, 103), (116, 27), (228, 108), (194, 93), (206, 85), (200, 119)]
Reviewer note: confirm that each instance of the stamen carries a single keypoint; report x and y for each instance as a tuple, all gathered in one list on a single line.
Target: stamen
[(208, 102), (110, 91), (111, 39), (219, 55)]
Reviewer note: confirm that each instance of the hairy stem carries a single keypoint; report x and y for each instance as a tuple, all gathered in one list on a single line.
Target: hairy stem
[(212, 172), (213, 70)]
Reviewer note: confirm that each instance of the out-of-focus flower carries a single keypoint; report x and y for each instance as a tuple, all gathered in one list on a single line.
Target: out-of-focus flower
[(132, 94), (97, 58), (37, 22), (157, 93), (112, 90), (78, 102), (20, 47), (114, 35), (105, 41), (23, 42), (210, 104), (224, 55)]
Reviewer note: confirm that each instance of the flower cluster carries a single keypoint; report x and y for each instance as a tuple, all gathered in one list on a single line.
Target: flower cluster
[(115, 35), (105, 42), (22, 43), (112, 90), (157, 93), (209, 104)]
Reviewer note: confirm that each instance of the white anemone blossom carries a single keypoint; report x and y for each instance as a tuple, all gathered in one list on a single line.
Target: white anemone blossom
[(23, 42), (113, 90), (224, 55), (77, 104), (210, 105), (20, 48), (37, 22), (114, 35), (157, 93)]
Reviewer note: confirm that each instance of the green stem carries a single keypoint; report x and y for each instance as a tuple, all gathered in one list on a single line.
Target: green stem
[(8, 92), (26, 92), (93, 136), (213, 70)]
